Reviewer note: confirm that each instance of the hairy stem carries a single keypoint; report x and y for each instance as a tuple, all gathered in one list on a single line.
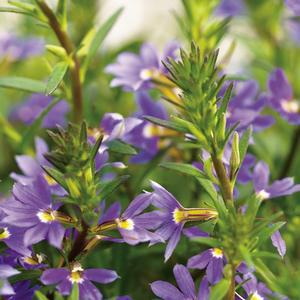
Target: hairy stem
[(224, 181), (67, 44), (291, 154)]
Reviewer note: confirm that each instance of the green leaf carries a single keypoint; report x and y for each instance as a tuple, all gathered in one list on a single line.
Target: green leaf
[(219, 290), (75, 293), (121, 147), (40, 296), (23, 84), (35, 126), (99, 38), (209, 187), (56, 77), (168, 124), (244, 142), (109, 187), (266, 232), (15, 10), (184, 168), (62, 13), (25, 275), (56, 175), (246, 255)]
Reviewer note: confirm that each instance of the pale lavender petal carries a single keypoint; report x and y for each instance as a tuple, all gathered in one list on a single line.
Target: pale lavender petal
[(194, 232), (54, 276), (101, 275), (261, 176), (214, 270), (279, 85), (140, 203), (163, 199), (6, 288), (65, 287), (28, 165), (200, 261), (7, 271), (56, 234), (89, 292), (279, 243), (204, 289), (166, 291), (173, 241), (184, 280), (35, 234)]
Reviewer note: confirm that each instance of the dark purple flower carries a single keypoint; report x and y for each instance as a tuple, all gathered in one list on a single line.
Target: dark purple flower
[(257, 290), (281, 97), (213, 260), (17, 48), (278, 188), (30, 109), (23, 291), (132, 224), (134, 72), (32, 209), (230, 8), (173, 216), (64, 279), (5, 272), (32, 168), (246, 106), (186, 288), (294, 6)]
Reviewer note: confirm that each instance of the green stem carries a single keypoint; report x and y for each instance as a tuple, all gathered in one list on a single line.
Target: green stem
[(231, 292), (67, 44), (225, 185)]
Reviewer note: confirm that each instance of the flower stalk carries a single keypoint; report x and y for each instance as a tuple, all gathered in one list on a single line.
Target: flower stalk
[(67, 44)]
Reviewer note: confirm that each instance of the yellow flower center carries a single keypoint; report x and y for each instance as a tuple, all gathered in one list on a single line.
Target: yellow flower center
[(4, 233), (34, 260), (290, 106), (256, 296), (193, 214), (125, 224), (217, 252), (46, 216), (76, 274)]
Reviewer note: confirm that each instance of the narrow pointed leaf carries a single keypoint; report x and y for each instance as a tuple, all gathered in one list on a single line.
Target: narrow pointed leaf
[(121, 147), (56, 77), (219, 290)]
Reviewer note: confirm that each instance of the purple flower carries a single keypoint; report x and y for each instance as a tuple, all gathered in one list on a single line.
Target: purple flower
[(294, 6), (186, 288), (16, 48), (32, 168), (32, 209), (173, 216), (213, 260), (30, 109), (230, 8), (293, 28), (64, 279), (134, 72), (246, 106), (23, 291), (281, 97), (278, 188), (279, 243), (257, 290), (5, 272), (132, 224)]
